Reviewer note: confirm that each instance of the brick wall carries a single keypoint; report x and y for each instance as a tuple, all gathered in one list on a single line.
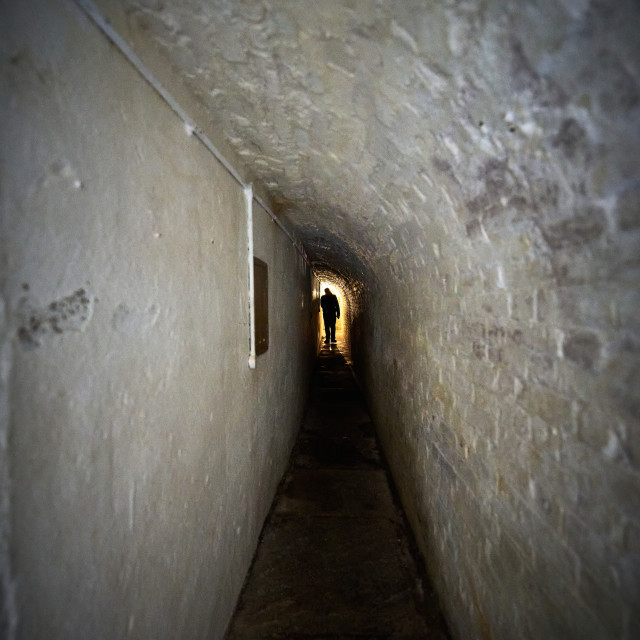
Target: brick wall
[(500, 351), (500, 344)]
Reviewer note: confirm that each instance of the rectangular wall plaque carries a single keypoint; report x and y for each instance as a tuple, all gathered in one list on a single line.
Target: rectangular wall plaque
[(261, 304)]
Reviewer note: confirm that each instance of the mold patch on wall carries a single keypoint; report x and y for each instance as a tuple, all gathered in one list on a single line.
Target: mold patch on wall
[(71, 313)]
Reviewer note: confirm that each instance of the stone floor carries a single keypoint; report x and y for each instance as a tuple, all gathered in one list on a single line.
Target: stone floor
[(335, 560)]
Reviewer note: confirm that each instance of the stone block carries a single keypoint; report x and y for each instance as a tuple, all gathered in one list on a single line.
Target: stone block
[(551, 407)]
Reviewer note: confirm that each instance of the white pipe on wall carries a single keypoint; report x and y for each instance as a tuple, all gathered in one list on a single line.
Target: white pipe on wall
[(192, 129), (248, 199)]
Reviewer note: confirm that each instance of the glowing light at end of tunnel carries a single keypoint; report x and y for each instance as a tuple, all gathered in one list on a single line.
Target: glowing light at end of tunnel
[(335, 288)]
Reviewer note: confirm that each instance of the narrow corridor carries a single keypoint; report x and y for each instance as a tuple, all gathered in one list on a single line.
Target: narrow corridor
[(335, 559), (179, 182)]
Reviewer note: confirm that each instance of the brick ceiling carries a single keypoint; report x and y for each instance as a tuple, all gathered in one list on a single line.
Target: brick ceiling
[(364, 120)]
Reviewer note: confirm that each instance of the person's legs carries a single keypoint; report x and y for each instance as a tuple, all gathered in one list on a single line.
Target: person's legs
[(327, 329), (332, 331)]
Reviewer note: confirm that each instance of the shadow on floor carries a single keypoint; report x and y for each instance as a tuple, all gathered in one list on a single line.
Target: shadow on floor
[(335, 559)]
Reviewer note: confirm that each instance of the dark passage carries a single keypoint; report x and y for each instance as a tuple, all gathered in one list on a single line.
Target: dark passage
[(335, 559)]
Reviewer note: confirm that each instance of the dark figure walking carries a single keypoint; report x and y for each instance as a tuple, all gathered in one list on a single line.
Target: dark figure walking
[(330, 311)]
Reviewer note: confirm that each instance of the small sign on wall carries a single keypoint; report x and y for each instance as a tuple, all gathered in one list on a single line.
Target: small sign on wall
[(261, 304)]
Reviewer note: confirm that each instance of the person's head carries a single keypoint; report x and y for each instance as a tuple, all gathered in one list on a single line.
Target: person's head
[(327, 290)]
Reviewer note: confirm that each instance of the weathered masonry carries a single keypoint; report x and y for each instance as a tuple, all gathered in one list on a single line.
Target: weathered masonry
[(466, 172)]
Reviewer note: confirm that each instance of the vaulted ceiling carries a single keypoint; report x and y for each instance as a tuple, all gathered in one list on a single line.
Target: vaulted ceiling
[(364, 119)]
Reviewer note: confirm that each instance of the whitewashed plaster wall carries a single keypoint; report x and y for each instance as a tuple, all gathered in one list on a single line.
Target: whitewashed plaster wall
[(139, 453)]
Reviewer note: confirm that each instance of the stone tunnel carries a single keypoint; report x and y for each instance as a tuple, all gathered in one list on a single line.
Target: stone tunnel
[(466, 172)]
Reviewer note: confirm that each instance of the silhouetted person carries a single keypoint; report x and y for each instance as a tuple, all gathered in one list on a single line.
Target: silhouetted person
[(330, 311)]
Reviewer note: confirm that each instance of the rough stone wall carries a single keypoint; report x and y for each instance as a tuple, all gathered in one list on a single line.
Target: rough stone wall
[(143, 453), (512, 434), (500, 352)]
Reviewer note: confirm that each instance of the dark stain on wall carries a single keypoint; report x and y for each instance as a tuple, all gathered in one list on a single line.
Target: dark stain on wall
[(628, 209), (570, 138), (441, 165), (620, 93), (473, 229), (583, 228), (583, 348), (70, 313)]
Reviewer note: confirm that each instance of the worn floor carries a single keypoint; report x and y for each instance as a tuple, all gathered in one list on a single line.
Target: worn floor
[(335, 560)]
